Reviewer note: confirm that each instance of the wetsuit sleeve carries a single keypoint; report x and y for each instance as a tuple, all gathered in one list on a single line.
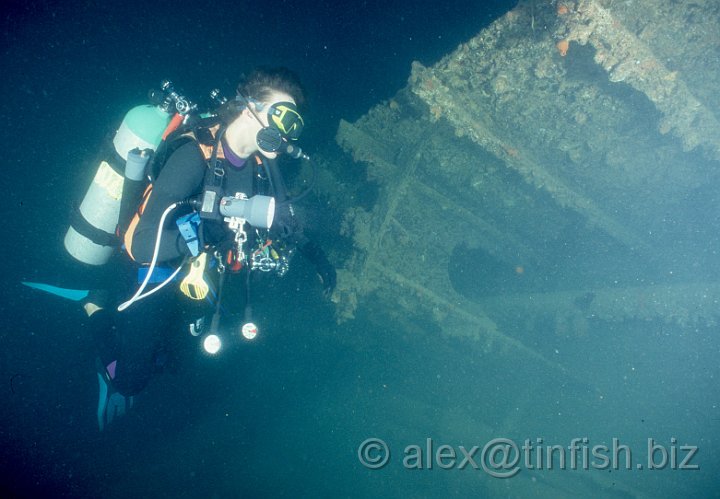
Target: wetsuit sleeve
[(315, 254), (181, 177), (289, 228)]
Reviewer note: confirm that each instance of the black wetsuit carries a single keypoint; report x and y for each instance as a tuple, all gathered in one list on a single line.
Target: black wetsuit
[(181, 178), (139, 339)]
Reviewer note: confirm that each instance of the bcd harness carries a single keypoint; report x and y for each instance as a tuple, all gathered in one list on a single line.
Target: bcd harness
[(263, 254)]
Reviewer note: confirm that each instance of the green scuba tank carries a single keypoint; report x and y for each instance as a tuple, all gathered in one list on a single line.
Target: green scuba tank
[(90, 238)]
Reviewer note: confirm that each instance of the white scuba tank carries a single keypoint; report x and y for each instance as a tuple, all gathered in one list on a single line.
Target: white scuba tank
[(142, 128)]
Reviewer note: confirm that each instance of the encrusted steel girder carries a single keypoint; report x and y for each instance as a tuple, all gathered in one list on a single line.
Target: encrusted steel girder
[(564, 119)]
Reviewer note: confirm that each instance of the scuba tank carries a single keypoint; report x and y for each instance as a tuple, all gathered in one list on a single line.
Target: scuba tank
[(91, 237)]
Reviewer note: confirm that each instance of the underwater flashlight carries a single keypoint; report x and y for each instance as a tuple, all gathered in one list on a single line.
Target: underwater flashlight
[(212, 344), (258, 210)]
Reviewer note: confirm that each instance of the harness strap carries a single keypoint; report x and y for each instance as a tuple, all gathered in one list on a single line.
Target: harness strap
[(85, 228), (130, 232), (207, 151), (210, 151)]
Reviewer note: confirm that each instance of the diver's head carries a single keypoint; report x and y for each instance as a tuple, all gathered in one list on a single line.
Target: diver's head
[(268, 118)]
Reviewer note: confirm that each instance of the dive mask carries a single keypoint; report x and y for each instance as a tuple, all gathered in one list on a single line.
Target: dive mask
[(285, 117), (284, 124)]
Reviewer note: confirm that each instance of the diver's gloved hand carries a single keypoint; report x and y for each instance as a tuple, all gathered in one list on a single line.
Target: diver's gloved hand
[(324, 268), (214, 234), (285, 221), (328, 276)]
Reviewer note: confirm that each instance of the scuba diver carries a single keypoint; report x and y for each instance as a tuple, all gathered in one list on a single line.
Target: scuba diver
[(216, 205)]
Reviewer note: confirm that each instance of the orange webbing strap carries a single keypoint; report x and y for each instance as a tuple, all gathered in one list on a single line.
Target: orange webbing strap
[(208, 149), (207, 154), (130, 232)]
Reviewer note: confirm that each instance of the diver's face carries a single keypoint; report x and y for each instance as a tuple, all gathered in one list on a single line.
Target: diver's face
[(241, 134)]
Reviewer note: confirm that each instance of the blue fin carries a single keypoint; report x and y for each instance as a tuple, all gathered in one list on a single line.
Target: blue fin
[(70, 294), (102, 401), (111, 404)]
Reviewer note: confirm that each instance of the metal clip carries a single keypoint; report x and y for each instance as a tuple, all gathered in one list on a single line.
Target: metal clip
[(220, 264)]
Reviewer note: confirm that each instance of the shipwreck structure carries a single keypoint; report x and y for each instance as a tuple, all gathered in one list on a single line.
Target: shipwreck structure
[(566, 136), (550, 169)]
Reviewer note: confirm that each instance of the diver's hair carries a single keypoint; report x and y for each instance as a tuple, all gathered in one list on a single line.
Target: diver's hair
[(264, 80)]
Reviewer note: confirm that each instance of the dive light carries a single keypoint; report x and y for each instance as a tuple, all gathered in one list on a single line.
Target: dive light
[(258, 211), (212, 344)]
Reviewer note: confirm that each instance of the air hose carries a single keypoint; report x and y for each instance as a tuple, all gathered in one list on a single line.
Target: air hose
[(139, 295)]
